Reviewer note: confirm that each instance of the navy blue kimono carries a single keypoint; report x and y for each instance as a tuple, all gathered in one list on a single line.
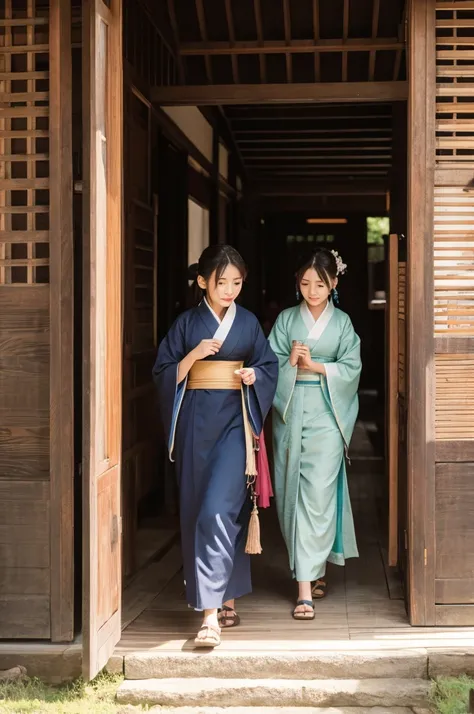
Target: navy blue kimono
[(205, 434)]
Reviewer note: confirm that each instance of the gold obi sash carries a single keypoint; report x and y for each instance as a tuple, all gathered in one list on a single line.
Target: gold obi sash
[(219, 374)]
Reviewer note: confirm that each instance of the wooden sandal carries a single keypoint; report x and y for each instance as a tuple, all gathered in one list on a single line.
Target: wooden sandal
[(212, 638), (319, 589), (305, 615), (226, 619)]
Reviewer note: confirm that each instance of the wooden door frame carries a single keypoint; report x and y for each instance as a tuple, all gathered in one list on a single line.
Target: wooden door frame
[(420, 324)]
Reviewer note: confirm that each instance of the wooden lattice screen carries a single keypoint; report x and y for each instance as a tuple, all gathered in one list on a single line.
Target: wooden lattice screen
[(24, 320), (454, 312)]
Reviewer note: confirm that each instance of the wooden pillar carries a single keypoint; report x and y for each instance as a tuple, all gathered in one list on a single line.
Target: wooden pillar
[(62, 326), (215, 209), (420, 430)]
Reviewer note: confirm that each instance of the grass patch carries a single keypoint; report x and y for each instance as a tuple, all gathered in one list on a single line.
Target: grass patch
[(34, 697), (451, 694)]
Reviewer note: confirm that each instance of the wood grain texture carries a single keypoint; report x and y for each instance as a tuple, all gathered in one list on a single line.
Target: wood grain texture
[(420, 386)]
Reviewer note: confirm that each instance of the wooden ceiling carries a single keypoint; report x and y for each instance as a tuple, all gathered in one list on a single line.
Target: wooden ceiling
[(276, 41), (331, 142)]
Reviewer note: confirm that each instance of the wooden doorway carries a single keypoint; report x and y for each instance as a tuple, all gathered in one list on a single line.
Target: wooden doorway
[(102, 331)]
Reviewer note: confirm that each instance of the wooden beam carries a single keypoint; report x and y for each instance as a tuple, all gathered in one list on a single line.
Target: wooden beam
[(420, 333), (259, 25), (287, 24), (345, 34), (280, 93), (203, 32), (231, 30), (317, 56), (314, 132), (375, 29), (319, 140), (368, 205), (270, 187), (271, 47), (61, 327), (175, 31)]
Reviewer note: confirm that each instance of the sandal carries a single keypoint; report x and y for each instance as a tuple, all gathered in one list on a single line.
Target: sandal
[(212, 636), (227, 617), (319, 589), (305, 614)]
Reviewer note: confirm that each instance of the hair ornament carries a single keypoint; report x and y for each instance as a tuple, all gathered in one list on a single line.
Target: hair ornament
[(341, 267)]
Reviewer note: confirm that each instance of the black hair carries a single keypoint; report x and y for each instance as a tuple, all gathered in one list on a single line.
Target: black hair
[(323, 262), (215, 258)]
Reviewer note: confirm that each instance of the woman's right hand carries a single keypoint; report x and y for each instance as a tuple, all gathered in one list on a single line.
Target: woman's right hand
[(206, 348), (295, 354)]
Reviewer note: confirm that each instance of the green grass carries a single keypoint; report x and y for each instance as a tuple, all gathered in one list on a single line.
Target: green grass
[(451, 694), (34, 697)]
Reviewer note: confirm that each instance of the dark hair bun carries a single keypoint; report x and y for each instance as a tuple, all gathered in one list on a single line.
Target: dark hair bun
[(193, 271)]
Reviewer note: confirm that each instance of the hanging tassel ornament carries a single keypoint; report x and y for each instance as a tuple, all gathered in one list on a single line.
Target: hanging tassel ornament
[(253, 545)]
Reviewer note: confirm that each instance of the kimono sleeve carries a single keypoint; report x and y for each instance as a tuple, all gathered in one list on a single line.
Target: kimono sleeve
[(342, 379), (280, 343), (165, 375), (260, 395)]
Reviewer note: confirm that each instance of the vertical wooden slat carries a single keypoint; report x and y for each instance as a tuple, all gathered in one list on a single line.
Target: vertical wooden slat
[(420, 427), (345, 34), (203, 32), (375, 28), (62, 338), (230, 28), (287, 25), (317, 58), (392, 396)]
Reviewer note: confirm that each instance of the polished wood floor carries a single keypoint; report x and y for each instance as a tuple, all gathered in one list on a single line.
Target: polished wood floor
[(364, 606)]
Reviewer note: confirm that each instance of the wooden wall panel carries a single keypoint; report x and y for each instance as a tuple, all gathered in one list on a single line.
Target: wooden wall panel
[(453, 263), (140, 459)]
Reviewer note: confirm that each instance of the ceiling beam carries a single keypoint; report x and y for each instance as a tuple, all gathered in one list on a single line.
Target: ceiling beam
[(230, 27), (370, 205), (345, 34), (287, 23), (317, 56), (279, 93), (363, 44), (203, 32), (305, 187), (259, 25), (375, 29), (175, 31)]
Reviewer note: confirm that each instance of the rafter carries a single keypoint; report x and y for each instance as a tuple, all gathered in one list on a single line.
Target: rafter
[(362, 44), (203, 32), (307, 187), (259, 25), (375, 28), (230, 27), (317, 57), (287, 23), (175, 31), (224, 94), (345, 34)]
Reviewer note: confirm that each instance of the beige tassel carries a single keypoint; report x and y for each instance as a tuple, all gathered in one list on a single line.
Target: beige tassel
[(253, 546)]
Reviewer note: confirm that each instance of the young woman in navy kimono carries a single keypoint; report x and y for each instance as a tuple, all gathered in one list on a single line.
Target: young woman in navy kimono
[(216, 377)]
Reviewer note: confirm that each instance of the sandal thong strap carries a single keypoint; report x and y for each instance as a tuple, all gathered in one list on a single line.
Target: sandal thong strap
[(309, 603)]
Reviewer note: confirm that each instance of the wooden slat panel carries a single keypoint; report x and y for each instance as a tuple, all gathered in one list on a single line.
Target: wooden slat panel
[(25, 570), (454, 411), (453, 261), (454, 591), (455, 526), (455, 67)]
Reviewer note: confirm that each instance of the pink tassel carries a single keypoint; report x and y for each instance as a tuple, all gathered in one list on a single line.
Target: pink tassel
[(263, 484)]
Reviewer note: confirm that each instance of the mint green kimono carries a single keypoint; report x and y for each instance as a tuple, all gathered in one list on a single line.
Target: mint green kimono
[(313, 421)]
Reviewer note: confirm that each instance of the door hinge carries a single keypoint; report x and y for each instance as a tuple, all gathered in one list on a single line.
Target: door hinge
[(425, 555)]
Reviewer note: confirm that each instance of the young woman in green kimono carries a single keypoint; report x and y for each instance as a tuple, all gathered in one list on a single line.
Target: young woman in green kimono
[(314, 414)]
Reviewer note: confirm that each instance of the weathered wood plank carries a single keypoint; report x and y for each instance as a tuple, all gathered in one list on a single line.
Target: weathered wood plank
[(20, 615), (25, 581), (454, 615), (260, 93), (454, 591), (455, 451), (420, 426)]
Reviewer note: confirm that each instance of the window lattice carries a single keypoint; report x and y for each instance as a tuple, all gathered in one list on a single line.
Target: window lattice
[(24, 142)]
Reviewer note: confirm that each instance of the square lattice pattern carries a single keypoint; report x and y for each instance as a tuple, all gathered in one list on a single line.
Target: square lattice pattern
[(24, 142)]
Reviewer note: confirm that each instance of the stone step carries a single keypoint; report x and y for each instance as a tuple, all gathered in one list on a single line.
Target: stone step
[(212, 692), (396, 664), (286, 710)]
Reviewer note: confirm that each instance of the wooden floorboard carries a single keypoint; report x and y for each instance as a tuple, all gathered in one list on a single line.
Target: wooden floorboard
[(360, 608)]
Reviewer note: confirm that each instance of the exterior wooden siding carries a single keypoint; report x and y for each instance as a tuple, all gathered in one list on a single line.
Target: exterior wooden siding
[(36, 566), (453, 254)]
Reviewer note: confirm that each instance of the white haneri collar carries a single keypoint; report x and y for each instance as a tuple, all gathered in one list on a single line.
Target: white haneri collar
[(225, 325), (316, 327)]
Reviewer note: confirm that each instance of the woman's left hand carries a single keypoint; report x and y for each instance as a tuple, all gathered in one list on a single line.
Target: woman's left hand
[(248, 376)]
